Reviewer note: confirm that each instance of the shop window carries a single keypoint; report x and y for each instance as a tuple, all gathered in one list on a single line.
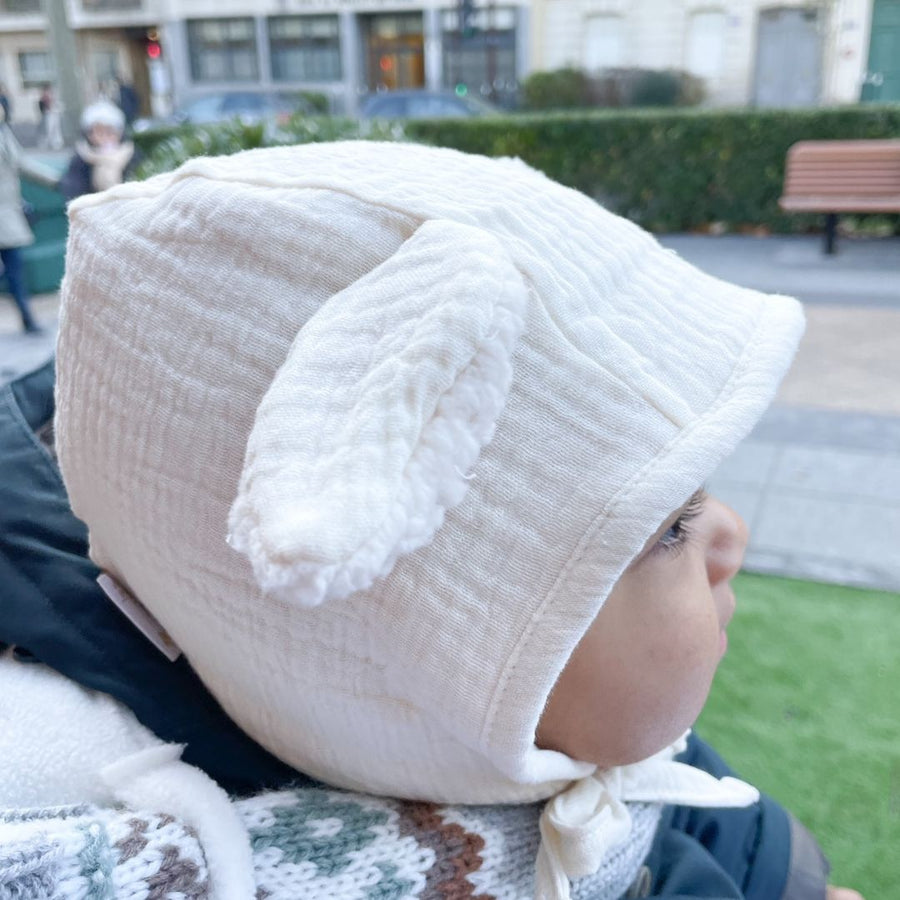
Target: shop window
[(705, 43), (305, 48), (36, 68), (481, 59), (604, 41), (223, 50)]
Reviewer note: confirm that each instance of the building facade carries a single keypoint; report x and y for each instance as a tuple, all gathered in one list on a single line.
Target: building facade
[(344, 49), (349, 48), (748, 52), (111, 40)]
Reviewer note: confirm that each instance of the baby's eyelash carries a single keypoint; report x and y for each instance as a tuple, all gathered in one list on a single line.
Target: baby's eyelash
[(679, 532)]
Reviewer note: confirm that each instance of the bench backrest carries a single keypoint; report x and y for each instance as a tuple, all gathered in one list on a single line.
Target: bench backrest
[(843, 176)]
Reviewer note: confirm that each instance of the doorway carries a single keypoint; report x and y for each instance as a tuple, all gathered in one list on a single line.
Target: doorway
[(882, 82), (394, 51), (788, 58)]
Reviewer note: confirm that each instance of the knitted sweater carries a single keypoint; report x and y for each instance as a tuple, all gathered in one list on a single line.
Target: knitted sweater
[(310, 843)]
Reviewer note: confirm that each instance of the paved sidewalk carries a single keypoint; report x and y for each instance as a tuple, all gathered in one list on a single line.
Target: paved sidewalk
[(22, 352), (818, 480), (862, 271)]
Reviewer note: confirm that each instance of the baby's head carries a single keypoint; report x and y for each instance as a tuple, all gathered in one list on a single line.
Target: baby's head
[(398, 443)]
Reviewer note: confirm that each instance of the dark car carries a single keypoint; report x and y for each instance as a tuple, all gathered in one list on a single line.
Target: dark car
[(423, 105), (249, 106)]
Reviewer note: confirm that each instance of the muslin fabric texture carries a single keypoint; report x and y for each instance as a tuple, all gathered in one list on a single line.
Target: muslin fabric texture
[(373, 429)]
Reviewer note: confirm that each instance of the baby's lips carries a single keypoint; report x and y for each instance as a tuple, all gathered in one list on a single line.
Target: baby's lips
[(726, 607)]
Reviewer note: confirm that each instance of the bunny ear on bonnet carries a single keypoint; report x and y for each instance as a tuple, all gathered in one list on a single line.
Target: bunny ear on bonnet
[(387, 396)]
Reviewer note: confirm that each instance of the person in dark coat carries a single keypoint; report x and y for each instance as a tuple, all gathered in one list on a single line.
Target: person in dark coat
[(128, 100), (102, 158)]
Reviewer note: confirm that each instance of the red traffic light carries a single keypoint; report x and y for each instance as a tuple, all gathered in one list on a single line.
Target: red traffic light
[(154, 51)]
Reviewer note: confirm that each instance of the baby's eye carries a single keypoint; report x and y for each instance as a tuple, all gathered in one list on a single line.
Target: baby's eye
[(679, 532)]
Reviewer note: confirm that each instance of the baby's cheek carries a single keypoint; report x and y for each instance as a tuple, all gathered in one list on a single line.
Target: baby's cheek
[(687, 658)]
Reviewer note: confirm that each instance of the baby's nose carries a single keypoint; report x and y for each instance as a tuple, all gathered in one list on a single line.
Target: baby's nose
[(727, 544)]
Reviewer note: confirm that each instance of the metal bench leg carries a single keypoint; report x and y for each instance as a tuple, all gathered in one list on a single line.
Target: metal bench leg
[(830, 232)]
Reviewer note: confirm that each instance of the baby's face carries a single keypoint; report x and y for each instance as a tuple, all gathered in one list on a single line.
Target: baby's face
[(642, 672), (103, 136)]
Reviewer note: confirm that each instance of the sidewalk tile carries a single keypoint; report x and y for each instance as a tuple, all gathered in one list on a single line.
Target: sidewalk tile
[(839, 473), (751, 463), (848, 532)]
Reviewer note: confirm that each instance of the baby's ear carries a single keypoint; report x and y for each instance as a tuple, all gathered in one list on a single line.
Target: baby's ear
[(387, 396)]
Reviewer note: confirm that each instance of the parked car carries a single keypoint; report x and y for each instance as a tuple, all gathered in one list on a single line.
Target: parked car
[(247, 105), (423, 105)]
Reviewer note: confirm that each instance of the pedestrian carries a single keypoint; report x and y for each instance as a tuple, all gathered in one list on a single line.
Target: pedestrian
[(14, 231), (401, 447), (102, 158), (50, 127), (127, 99), (5, 104)]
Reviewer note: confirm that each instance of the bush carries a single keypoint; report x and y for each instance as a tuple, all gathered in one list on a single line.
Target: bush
[(318, 101), (560, 89), (656, 89), (574, 89), (679, 170)]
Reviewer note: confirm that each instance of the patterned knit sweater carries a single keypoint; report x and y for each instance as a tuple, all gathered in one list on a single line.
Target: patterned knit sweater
[(307, 843)]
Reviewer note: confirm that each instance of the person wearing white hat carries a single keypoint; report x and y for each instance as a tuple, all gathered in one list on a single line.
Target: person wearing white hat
[(401, 448), (102, 159)]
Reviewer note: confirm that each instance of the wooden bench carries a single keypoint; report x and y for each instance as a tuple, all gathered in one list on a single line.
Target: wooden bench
[(835, 177)]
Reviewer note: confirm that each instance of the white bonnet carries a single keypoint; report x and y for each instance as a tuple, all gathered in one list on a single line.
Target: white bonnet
[(102, 112), (373, 429)]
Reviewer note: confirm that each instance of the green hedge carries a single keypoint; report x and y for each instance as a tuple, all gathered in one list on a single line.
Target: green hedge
[(675, 170), (164, 149), (668, 170)]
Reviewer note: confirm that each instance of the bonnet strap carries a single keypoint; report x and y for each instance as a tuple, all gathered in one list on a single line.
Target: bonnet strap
[(582, 824)]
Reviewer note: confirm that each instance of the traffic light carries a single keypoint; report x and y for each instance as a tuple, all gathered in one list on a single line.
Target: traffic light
[(152, 44), (466, 13)]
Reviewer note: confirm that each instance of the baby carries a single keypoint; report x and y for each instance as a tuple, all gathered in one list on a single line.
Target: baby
[(402, 447)]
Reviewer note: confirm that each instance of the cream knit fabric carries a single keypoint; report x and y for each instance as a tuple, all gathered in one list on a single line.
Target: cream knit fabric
[(373, 430)]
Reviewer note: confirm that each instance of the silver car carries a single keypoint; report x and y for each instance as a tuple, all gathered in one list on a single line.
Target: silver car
[(248, 106)]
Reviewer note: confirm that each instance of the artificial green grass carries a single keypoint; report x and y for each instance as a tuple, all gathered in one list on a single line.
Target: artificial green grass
[(805, 706)]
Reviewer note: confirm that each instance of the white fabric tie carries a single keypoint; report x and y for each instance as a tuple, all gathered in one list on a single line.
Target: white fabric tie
[(581, 825)]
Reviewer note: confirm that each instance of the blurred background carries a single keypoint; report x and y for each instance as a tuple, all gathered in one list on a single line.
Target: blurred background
[(154, 56)]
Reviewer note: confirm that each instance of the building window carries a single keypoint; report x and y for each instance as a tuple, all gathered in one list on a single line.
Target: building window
[(110, 5), (481, 59), (305, 48), (705, 43), (604, 41), (223, 50), (36, 67), (20, 6)]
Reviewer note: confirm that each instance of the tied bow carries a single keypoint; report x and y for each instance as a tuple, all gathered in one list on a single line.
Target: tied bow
[(581, 825)]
